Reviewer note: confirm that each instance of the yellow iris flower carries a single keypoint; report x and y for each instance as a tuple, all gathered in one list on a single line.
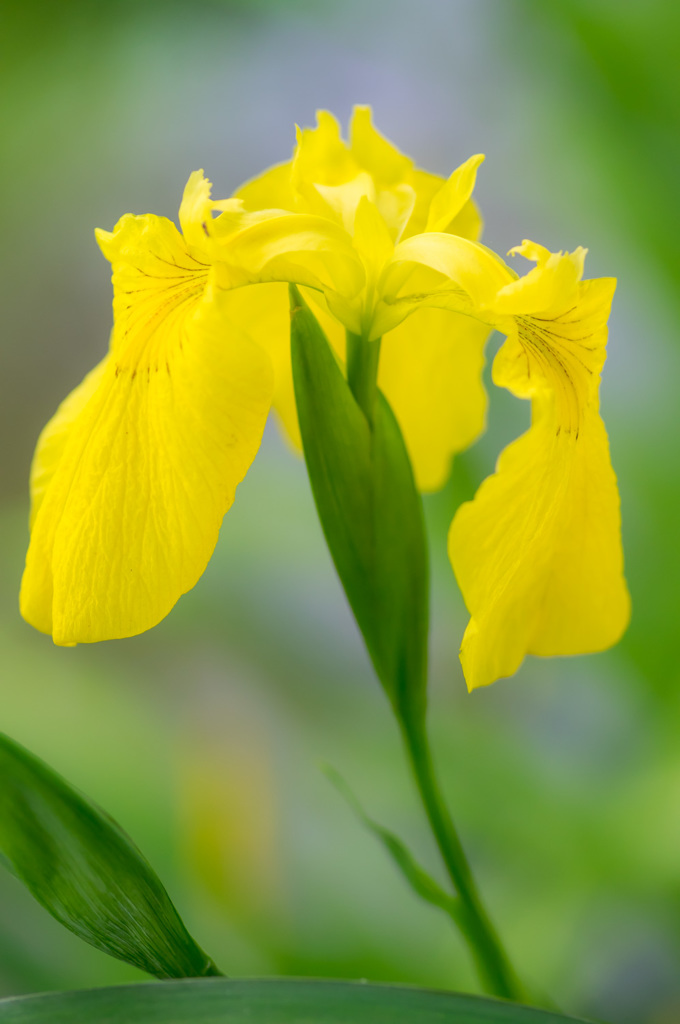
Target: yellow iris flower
[(134, 473), (537, 553), (354, 201)]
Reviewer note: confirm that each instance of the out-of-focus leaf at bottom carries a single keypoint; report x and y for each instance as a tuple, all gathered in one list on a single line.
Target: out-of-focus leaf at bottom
[(269, 1001), (82, 867)]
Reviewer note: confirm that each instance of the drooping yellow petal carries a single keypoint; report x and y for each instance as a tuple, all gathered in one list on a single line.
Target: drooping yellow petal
[(156, 281), (150, 464), (537, 553), (554, 276), (431, 373), (55, 434), (562, 351)]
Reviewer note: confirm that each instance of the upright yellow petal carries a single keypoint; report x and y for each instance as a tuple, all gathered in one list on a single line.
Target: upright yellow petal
[(431, 373), (321, 155), (202, 231), (342, 201), (371, 240), (196, 210), (425, 186), (150, 463), (468, 222), (453, 195), (392, 172), (374, 153), (322, 160), (537, 553), (271, 190)]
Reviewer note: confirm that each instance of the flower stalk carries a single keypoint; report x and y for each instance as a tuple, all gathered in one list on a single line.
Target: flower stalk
[(362, 371), (492, 962), (493, 965)]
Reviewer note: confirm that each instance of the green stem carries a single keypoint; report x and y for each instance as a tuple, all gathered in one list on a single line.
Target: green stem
[(362, 371), (492, 962)]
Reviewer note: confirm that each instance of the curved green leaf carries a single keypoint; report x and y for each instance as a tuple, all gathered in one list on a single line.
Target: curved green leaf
[(370, 511), (417, 877), (269, 1001), (82, 867)]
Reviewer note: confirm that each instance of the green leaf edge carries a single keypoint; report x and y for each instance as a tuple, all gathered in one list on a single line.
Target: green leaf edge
[(358, 558), (416, 876), (268, 1001), (177, 955)]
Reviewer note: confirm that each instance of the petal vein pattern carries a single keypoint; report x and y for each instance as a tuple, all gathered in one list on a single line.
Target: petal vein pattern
[(133, 474), (136, 470), (537, 553)]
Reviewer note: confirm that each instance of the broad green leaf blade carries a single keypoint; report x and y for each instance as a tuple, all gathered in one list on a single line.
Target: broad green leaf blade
[(417, 877), (369, 509), (275, 1001), (82, 867)]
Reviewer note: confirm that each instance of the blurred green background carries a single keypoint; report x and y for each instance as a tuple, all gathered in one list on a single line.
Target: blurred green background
[(204, 737)]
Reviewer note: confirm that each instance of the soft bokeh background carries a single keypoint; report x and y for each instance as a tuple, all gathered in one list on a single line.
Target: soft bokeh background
[(204, 738)]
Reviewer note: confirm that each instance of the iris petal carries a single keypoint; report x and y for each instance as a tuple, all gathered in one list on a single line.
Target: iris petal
[(431, 373), (374, 153), (448, 202), (55, 434), (150, 463), (265, 309), (537, 553), (301, 248)]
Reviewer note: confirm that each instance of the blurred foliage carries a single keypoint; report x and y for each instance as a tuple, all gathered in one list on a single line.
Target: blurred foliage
[(202, 737), (87, 873), (618, 68), (271, 1001)]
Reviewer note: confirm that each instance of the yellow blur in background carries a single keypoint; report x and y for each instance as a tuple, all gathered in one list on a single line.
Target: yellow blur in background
[(204, 737)]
